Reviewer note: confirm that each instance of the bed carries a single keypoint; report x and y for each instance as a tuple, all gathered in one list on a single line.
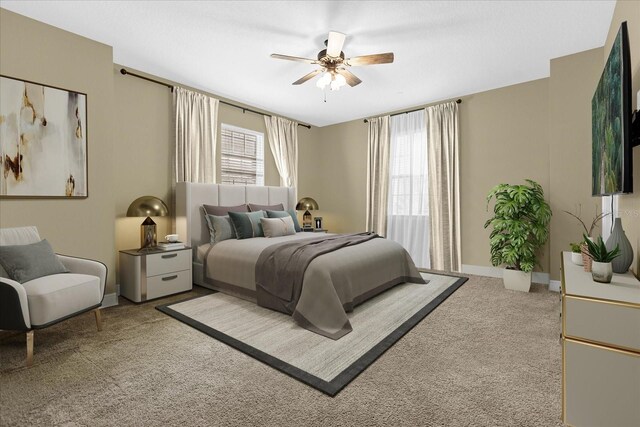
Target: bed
[(333, 283)]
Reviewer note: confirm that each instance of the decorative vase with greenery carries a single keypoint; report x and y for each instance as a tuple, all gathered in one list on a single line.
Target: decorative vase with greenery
[(601, 270), (520, 228), (586, 259), (576, 253)]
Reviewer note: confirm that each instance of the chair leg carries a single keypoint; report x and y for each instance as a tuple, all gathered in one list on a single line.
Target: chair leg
[(29, 348), (98, 319)]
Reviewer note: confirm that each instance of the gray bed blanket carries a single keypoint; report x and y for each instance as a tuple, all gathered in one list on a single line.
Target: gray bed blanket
[(280, 272)]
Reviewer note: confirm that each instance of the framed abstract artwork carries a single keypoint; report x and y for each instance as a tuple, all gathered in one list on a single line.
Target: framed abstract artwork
[(43, 141)]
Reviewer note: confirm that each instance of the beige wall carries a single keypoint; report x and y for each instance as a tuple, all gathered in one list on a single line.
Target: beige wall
[(41, 53), (629, 205), (571, 85), (503, 139)]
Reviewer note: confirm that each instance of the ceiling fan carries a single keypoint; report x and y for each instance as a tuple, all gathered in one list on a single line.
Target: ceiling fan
[(333, 65)]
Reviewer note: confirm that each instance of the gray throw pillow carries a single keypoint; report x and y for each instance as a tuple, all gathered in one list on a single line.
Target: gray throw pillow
[(223, 210), (247, 225), (27, 262), (220, 228), (282, 214), (256, 208), (276, 227)]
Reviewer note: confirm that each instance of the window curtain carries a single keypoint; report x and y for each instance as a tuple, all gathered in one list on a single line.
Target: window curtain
[(408, 207), (377, 174), (283, 140), (444, 186), (196, 124)]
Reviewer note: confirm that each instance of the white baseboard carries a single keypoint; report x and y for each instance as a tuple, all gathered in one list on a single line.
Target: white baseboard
[(110, 300), (554, 285), (480, 270)]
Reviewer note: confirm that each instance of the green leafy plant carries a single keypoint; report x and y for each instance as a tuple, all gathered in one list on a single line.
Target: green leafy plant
[(520, 225), (575, 247), (598, 251)]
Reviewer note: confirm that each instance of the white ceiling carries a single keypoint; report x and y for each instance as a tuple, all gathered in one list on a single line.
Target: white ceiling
[(442, 49)]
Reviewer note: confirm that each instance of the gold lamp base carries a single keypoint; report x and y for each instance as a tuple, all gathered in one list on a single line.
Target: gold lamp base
[(148, 234)]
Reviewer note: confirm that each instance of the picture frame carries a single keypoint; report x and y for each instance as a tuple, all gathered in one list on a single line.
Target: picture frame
[(43, 141), (318, 222)]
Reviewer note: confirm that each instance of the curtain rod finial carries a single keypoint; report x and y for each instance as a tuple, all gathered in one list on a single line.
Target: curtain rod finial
[(123, 71)]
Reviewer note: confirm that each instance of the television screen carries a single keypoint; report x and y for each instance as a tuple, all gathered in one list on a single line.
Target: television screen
[(610, 122)]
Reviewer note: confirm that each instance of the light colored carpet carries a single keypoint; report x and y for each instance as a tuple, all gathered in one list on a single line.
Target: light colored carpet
[(278, 335), (485, 357)]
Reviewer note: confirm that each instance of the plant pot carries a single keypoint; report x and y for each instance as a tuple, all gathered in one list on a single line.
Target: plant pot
[(576, 258), (601, 272), (586, 259), (517, 280)]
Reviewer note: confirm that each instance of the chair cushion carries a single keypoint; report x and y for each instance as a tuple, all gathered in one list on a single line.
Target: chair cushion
[(27, 262), (19, 236), (59, 295)]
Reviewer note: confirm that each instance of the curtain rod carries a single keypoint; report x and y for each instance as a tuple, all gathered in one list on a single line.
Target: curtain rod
[(458, 101), (124, 72)]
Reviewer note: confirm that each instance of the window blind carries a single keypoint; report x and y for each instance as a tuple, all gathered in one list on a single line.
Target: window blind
[(242, 156)]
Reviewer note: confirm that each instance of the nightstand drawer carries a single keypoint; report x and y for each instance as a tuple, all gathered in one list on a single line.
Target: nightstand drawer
[(167, 284), (608, 323), (167, 262)]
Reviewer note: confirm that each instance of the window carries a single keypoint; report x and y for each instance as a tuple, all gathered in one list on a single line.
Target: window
[(242, 156), (408, 205)]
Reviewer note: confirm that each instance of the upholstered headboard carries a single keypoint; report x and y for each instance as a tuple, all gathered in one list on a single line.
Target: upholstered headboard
[(189, 220)]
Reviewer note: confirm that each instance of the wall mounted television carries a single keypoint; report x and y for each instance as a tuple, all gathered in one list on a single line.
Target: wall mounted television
[(611, 152)]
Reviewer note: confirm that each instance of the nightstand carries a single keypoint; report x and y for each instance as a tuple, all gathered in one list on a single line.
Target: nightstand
[(147, 275)]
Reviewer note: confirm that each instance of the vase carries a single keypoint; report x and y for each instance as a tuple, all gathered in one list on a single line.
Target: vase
[(622, 262), (601, 272)]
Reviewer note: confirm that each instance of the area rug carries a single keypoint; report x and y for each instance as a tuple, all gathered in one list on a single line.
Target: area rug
[(327, 365)]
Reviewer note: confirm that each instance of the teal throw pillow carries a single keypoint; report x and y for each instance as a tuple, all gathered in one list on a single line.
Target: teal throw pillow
[(27, 262), (220, 228), (282, 214), (247, 224)]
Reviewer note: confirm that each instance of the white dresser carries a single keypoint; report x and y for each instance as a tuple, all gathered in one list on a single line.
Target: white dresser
[(600, 349), (148, 275)]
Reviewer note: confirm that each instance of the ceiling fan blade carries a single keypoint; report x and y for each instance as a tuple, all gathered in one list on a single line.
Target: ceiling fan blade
[(294, 58), (307, 77), (351, 79), (335, 43), (379, 58)]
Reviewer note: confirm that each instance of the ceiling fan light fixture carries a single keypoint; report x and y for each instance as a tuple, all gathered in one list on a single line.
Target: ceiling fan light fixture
[(324, 80), (338, 81)]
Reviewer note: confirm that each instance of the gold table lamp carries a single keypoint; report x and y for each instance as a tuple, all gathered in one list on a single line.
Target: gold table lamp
[(147, 206), (308, 204)]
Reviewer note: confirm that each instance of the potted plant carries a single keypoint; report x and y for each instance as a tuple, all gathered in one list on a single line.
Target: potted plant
[(601, 269), (520, 227), (586, 259), (576, 253)]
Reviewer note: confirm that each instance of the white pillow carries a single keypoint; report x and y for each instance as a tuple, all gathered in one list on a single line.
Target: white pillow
[(276, 227)]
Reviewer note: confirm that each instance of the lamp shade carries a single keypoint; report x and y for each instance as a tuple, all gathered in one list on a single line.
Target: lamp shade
[(147, 206), (307, 204)]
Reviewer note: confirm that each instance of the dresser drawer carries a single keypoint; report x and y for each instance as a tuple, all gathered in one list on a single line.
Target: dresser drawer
[(607, 323), (163, 263), (167, 284), (602, 386)]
